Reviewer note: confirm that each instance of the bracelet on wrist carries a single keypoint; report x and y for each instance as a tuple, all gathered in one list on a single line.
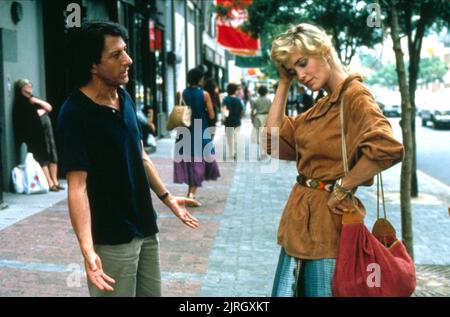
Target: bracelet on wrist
[(338, 194), (339, 183), (163, 196), (343, 189)]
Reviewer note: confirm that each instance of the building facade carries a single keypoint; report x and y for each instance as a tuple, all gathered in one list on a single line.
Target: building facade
[(166, 39)]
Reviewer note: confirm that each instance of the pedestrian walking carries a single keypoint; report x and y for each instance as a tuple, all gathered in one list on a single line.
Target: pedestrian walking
[(233, 109), (260, 110), (108, 172), (198, 165), (213, 90), (32, 125), (309, 227)]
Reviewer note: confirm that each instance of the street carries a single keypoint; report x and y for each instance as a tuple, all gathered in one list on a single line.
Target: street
[(433, 149)]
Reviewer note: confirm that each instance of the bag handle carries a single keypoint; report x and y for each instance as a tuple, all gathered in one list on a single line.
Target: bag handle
[(343, 143), (380, 182), (182, 102), (345, 163)]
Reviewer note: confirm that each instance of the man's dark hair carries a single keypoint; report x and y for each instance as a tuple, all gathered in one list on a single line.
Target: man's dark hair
[(232, 88), (195, 75), (262, 90), (86, 45)]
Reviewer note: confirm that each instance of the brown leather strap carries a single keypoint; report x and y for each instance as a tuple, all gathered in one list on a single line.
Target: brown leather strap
[(345, 163), (343, 143)]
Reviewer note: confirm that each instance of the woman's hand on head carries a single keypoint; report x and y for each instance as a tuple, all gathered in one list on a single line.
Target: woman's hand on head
[(284, 74)]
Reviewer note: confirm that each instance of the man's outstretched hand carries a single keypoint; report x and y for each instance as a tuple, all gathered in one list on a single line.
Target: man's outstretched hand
[(178, 207)]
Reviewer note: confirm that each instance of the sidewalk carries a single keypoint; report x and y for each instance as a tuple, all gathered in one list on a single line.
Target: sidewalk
[(233, 253), (255, 200)]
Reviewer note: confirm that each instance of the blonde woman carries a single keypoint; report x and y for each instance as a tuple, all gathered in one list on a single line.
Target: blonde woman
[(309, 228)]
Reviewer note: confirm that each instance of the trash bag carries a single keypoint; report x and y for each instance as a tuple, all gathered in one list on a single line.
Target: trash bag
[(18, 178), (34, 181)]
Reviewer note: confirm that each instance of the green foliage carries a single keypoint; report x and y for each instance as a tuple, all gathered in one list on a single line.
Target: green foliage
[(344, 20), (370, 61), (431, 70), (385, 76), (432, 14)]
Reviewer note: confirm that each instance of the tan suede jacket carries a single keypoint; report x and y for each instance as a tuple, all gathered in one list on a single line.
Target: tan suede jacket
[(308, 230)]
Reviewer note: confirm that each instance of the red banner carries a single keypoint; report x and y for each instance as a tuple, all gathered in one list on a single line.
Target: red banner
[(229, 33), (155, 37)]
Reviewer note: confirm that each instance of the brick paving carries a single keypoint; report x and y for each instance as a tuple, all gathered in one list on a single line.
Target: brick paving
[(232, 253), (39, 254)]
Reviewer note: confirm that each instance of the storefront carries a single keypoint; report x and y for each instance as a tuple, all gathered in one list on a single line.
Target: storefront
[(216, 65), (155, 94), (144, 46)]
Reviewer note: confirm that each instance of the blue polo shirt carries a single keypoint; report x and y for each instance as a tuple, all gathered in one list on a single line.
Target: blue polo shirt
[(106, 143), (235, 109)]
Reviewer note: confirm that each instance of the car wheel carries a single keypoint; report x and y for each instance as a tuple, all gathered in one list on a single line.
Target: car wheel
[(424, 123), (436, 125)]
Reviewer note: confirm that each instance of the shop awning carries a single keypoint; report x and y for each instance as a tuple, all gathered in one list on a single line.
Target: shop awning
[(229, 32), (249, 61)]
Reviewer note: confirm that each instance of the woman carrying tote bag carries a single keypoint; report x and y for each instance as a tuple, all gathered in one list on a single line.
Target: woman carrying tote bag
[(309, 230), (192, 165)]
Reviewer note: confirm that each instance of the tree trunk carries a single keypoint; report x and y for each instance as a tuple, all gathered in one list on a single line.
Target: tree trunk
[(405, 178), (414, 49), (413, 74), (412, 91)]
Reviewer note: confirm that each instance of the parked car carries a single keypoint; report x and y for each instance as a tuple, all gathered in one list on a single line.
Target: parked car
[(438, 115), (392, 111), (381, 105)]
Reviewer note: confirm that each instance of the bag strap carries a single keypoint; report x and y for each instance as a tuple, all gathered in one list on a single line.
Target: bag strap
[(182, 102), (380, 182), (343, 143), (345, 164)]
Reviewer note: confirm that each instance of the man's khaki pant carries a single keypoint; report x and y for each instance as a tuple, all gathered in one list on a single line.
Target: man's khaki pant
[(134, 266)]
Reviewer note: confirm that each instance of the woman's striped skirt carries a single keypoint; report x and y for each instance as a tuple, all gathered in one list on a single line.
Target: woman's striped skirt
[(297, 277)]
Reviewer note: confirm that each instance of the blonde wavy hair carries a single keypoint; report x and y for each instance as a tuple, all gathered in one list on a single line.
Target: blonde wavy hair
[(20, 83), (308, 40)]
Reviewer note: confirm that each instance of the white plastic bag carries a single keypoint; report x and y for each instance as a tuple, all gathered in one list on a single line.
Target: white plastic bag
[(18, 178), (151, 140), (35, 180)]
